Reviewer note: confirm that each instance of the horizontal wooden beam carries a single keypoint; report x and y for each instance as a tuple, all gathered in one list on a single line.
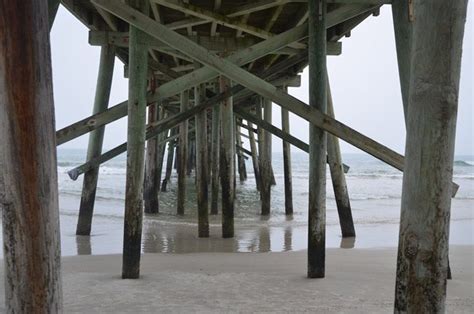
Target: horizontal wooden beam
[(214, 44)]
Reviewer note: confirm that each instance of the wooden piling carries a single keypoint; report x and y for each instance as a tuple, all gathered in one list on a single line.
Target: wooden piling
[(96, 139), (265, 160), (253, 149), (28, 179), (182, 155), (227, 161), (317, 140), (215, 147), (338, 178), (137, 87), (202, 164), (422, 263), (169, 162), (150, 195), (285, 126), (240, 156)]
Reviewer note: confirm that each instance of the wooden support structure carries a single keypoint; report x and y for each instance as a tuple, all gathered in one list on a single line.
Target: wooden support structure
[(169, 162), (317, 141), (266, 160), (137, 88), (28, 180), (152, 180), (338, 178), (285, 126), (422, 265), (215, 147), (227, 161), (182, 155), (240, 157), (254, 152), (202, 165), (96, 139)]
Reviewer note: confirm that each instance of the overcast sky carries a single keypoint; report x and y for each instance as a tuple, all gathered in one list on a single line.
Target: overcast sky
[(364, 82)]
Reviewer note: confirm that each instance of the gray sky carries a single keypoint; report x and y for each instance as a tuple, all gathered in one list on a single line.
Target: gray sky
[(364, 82)]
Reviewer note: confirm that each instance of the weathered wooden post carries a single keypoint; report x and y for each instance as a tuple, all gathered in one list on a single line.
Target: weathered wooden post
[(266, 160), (285, 126), (28, 180), (137, 88), (183, 154), (253, 149), (202, 164), (422, 263), (96, 139), (150, 195), (227, 161), (240, 156), (169, 161), (338, 178), (317, 141), (215, 147)]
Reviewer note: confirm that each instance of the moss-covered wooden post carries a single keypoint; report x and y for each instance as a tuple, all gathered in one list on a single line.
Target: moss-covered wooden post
[(285, 126), (96, 139), (182, 155), (317, 141), (202, 164), (422, 263), (137, 88), (266, 160), (28, 179), (227, 161), (338, 178)]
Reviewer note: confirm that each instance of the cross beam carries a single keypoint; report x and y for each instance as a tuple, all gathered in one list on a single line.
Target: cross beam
[(254, 83)]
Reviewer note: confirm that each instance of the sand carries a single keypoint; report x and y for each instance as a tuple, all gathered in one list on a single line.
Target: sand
[(357, 281)]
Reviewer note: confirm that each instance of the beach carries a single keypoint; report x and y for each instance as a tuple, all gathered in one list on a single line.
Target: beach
[(263, 268), (357, 281)]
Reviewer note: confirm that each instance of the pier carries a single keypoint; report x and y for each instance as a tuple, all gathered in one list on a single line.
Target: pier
[(203, 78)]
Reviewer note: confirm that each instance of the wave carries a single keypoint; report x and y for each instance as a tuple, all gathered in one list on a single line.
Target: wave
[(464, 163)]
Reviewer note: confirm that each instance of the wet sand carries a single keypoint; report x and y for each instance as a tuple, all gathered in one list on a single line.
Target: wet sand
[(358, 281)]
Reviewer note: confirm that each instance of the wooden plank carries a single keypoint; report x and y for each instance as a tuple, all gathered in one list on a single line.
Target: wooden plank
[(254, 155), (422, 263), (169, 162), (227, 161), (137, 86), (339, 184), (28, 179), (96, 139), (53, 6), (202, 164), (317, 141), (240, 156), (215, 146)]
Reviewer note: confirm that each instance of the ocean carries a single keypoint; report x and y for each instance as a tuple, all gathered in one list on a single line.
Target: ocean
[(374, 189)]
